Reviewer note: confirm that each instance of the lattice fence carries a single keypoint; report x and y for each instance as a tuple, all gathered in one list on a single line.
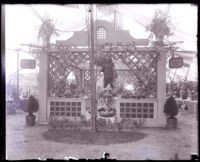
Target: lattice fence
[(137, 110), (97, 74), (142, 72), (59, 67)]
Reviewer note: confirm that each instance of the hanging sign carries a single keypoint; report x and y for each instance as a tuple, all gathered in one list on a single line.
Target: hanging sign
[(176, 62), (28, 63)]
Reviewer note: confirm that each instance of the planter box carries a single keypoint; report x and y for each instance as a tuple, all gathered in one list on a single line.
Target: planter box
[(30, 120), (171, 123)]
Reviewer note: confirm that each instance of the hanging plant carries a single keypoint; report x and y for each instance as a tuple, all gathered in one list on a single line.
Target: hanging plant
[(160, 25), (47, 29)]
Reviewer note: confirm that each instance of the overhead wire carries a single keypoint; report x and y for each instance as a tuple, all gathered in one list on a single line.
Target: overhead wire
[(65, 21), (35, 12), (137, 21), (190, 35), (117, 10), (40, 17), (135, 12), (182, 37)]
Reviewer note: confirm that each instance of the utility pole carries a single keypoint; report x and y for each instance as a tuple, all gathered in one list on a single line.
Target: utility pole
[(93, 82), (114, 19), (17, 78)]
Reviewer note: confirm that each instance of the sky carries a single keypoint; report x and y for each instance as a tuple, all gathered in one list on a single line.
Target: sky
[(22, 24)]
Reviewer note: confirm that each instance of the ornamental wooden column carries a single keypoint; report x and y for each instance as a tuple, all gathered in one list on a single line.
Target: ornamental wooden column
[(43, 88), (160, 118), (161, 88)]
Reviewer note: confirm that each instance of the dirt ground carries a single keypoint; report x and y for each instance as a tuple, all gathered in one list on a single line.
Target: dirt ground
[(28, 143)]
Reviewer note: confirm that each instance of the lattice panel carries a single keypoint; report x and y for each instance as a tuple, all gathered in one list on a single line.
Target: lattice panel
[(59, 67), (136, 110), (61, 108), (142, 70), (143, 66), (97, 75)]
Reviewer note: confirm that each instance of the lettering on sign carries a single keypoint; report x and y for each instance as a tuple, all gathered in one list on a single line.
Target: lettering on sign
[(176, 62), (28, 63)]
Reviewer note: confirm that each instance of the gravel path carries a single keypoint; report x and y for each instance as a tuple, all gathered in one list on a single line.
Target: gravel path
[(28, 143)]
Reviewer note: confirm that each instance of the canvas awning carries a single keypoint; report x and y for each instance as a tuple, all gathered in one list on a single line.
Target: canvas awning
[(189, 69), (187, 56)]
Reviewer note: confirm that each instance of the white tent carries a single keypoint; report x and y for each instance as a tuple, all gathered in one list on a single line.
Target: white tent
[(134, 17)]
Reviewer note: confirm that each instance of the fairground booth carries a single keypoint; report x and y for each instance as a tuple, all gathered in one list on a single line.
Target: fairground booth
[(140, 82)]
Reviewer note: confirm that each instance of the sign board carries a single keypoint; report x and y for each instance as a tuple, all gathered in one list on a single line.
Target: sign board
[(105, 105), (176, 62), (28, 63)]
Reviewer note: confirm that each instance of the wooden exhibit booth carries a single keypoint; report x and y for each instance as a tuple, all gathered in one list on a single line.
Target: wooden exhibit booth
[(136, 63)]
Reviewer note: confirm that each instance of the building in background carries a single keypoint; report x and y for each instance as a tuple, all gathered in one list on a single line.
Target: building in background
[(28, 84)]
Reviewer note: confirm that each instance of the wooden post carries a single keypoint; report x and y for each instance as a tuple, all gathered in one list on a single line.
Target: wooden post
[(17, 79), (93, 82), (43, 75)]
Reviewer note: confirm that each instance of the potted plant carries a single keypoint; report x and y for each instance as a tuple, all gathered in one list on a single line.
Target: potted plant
[(31, 107), (171, 110), (160, 26)]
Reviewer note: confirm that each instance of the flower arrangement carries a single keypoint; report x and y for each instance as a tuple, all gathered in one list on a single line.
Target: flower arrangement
[(160, 25)]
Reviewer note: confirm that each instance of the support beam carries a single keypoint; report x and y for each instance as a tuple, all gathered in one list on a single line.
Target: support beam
[(160, 118), (43, 88)]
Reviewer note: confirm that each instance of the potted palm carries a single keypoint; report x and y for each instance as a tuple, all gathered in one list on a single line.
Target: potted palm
[(171, 110), (31, 107)]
